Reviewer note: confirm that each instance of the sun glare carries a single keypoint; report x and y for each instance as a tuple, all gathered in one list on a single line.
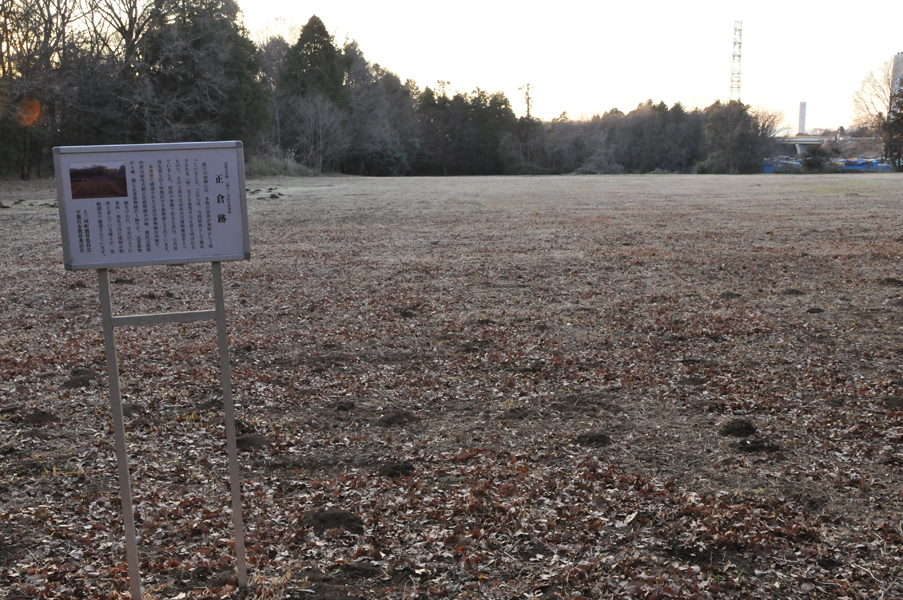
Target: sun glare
[(29, 112)]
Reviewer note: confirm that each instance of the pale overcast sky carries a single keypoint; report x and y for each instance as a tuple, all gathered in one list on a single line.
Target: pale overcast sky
[(590, 56)]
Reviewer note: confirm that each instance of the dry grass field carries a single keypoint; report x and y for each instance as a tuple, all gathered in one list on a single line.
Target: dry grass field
[(536, 387)]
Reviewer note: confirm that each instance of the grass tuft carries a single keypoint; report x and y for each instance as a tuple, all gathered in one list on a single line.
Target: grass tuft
[(274, 164)]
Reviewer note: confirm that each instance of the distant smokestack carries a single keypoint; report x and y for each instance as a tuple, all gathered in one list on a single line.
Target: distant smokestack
[(802, 130)]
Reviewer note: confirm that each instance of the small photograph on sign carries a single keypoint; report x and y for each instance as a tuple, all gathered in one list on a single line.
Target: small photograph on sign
[(98, 180)]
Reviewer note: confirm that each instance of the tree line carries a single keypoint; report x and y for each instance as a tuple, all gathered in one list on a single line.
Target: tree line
[(85, 72)]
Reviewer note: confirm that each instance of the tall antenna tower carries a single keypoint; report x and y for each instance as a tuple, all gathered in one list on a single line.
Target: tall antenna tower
[(735, 65)]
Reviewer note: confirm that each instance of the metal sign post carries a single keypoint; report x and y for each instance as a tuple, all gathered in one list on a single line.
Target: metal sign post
[(122, 457), (229, 413), (109, 323), (152, 204)]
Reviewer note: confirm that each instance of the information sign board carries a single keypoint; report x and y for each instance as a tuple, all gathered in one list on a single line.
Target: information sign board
[(152, 204)]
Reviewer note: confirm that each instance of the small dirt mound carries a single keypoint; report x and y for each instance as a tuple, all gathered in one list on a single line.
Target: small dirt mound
[(396, 417), (397, 469), (8, 449), (80, 377), (738, 428), (40, 417), (593, 439), (343, 406), (359, 570), (75, 383), (408, 312), (252, 440), (36, 434), (323, 520), (131, 410)]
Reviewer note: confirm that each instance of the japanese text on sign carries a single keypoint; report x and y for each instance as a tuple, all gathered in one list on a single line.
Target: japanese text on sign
[(151, 204)]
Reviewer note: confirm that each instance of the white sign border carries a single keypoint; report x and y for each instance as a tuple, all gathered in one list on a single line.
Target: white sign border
[(62, 199)]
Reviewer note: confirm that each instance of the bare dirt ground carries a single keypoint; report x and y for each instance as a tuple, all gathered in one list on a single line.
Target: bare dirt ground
[(549, 387)]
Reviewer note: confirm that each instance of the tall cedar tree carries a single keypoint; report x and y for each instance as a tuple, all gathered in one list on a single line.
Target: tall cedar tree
[(731, 139), (314, 66), (202, 73)]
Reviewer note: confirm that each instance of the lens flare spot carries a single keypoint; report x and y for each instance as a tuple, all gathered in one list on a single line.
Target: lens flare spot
[(29, 112)]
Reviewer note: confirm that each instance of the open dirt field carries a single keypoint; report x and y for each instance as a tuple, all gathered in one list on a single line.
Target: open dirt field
[(549, 387)]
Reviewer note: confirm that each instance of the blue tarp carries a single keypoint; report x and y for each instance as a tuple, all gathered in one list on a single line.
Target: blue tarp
[(863, 164)]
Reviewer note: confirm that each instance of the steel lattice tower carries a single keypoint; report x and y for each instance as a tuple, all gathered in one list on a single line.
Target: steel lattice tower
[(735, 65)]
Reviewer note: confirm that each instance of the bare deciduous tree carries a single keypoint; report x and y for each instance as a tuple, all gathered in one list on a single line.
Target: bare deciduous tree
[(872, 101), (877, 105), (381, 118), (318, 131), (34, 36), (769, 128), (118, 27)]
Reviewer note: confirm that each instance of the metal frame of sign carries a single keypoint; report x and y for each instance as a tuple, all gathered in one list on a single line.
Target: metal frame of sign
[(148, 246)]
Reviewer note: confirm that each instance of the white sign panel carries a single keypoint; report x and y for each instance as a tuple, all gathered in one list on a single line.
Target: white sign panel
[(152, 204)]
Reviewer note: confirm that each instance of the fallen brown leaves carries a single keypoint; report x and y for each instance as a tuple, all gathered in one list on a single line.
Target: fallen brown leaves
[(670, 387)]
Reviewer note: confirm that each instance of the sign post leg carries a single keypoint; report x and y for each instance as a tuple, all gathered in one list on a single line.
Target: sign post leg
[(122, 457), (229, 413)]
